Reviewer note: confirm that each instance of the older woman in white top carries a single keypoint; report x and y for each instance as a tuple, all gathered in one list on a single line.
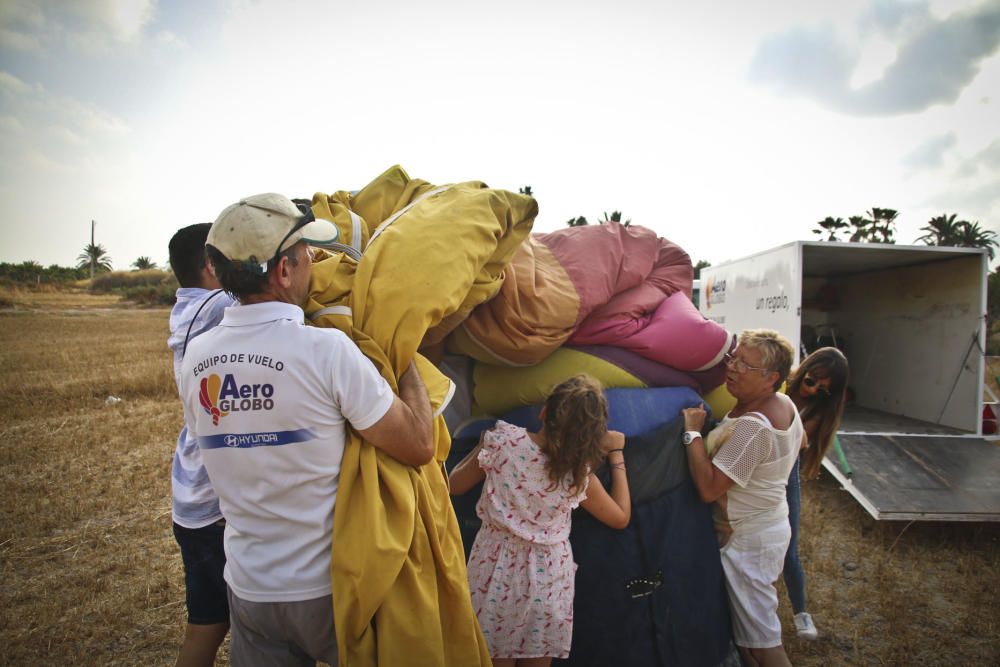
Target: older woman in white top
[(755, 447)]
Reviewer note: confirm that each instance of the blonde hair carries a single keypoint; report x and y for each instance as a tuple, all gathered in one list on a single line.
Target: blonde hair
[(576, 420), (776, 352)]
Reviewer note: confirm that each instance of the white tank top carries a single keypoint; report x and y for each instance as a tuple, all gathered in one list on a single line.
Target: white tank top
[(758, 458)]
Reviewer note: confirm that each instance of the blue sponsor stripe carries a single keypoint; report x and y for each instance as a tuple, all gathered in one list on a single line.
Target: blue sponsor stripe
[(249, 440)]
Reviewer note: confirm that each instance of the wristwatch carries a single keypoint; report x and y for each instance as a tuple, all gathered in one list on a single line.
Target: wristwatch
[(689, 436)]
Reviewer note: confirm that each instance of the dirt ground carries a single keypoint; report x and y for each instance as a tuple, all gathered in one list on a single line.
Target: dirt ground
[(91, 574)]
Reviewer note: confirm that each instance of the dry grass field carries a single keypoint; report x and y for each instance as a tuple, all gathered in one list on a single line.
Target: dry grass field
[(91, 574), (49, 297)]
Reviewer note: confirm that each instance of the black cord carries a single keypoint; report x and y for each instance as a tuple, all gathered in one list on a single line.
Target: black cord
[(195, 319)]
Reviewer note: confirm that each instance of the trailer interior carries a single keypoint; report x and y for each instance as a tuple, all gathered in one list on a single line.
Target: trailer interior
[(911, 323)]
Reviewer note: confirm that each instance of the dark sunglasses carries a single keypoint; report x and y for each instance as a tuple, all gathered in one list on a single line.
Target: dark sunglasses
[(307, 217), (812, 382)]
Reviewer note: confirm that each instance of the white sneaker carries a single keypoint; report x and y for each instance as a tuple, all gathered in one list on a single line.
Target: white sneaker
[(804, 626)]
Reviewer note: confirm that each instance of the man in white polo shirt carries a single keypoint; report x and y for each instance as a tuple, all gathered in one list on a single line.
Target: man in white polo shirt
[(198, 522), (269, 399)]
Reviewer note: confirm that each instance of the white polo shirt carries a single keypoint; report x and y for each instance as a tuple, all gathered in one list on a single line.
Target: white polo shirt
[(267, 398), (195, 503)]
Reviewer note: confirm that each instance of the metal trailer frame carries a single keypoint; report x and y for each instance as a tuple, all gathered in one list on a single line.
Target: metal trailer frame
[(900, 468)]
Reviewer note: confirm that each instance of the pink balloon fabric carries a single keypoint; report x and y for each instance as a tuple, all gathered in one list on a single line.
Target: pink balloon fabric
[(675, 334)]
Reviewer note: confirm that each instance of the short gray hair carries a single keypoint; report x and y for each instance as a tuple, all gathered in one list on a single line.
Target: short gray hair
[(777, 353)]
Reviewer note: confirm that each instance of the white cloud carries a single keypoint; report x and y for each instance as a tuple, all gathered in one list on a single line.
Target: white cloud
[(84, 25), (930, 154), (51, 129), (933, 63), (811, 62), (126, 19), (987, 160), (20, 23), (170, 39), (12, 86), (643, 108), (894, 17), (10, 125), (18, 41), (973, 203)]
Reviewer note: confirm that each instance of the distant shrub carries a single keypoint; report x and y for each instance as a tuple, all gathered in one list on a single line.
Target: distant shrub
[(151, 287), (151, 295), (116, 281)]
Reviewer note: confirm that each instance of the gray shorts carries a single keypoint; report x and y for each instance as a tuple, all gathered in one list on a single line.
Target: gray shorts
[(292, 634)]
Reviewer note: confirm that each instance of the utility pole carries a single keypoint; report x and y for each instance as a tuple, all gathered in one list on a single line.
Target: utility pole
[(93, 257)]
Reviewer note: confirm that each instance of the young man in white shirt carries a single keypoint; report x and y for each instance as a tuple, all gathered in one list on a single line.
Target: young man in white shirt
[(269, 399), (197, 520)]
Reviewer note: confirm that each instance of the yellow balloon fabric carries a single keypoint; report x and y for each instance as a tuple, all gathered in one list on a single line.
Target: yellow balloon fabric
[(720, 401), (499, 389), (400, 589)]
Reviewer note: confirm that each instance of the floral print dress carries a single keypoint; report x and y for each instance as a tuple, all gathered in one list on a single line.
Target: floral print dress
[(521, 569)]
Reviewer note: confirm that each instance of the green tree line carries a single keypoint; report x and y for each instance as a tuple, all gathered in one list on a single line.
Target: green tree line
[(32, 272)]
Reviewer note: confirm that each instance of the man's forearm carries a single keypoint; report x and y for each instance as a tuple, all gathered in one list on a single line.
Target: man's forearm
[(414, 394)]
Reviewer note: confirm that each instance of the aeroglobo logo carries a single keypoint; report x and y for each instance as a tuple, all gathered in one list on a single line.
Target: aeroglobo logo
[(715, 292), (221, 396)]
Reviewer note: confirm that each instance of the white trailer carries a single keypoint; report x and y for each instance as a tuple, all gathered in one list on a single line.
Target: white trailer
[(912, 322)]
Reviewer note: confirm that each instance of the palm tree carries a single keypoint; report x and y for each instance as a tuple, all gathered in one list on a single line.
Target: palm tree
[(861, 229), (831, 227), (878, 227), (883, 225), (94, 256), (940, 230), (577, 222), (616, 216), (143, 263), (971, 235)]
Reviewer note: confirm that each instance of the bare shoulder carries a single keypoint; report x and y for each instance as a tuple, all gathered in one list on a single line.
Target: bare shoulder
[(613, 440), (780, 411)]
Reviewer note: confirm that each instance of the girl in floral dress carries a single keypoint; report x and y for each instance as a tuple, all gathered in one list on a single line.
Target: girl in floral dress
[(521, 569)]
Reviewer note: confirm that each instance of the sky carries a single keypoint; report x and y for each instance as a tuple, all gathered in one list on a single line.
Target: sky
[(728, 127)]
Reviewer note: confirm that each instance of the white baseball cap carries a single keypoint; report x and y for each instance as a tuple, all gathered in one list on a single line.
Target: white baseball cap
[(256, 229)]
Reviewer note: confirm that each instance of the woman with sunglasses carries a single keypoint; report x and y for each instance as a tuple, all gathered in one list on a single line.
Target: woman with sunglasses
[(755, 447), (818, 387)]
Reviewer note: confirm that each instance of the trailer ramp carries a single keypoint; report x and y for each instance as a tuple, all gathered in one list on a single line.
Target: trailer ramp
[(933, 477)]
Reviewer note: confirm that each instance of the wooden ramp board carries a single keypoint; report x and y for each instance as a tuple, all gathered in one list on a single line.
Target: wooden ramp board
[(932, 478), (865, 420)]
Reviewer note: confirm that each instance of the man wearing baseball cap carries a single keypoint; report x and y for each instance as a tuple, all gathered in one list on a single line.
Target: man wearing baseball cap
[(269, 400)]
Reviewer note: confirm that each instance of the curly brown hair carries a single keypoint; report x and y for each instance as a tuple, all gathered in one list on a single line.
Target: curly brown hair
[(575, 422)]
